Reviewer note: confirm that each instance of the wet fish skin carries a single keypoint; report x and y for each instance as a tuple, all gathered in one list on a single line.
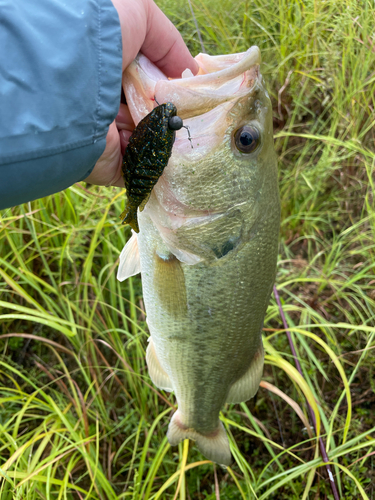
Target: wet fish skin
[(208, 248)]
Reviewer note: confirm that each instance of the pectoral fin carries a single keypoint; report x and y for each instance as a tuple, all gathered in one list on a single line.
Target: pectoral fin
[(247, 386), (169, 283), (130, 262), (158, 375)]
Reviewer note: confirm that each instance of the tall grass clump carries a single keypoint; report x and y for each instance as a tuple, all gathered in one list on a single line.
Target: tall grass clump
[(79, 416)]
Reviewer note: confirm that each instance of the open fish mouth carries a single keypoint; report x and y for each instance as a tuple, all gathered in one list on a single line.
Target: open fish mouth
[(213, 104), (220, 79)]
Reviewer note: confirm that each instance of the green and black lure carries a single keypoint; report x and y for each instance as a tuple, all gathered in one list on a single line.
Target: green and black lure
[(146, 156)]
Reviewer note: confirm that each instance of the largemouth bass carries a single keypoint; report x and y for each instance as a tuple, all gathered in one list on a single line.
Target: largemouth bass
[(208, 241)]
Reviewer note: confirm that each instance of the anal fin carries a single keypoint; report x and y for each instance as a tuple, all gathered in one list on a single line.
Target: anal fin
[(247, 386), (158, 375)]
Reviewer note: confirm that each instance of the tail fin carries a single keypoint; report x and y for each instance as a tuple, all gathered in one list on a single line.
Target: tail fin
[(214, 446)]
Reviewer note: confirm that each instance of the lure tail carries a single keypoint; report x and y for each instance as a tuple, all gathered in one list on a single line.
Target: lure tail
[(129, 216)]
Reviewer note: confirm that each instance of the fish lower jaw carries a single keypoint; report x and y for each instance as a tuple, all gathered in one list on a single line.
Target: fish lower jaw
[(169, 222), (166, 206)]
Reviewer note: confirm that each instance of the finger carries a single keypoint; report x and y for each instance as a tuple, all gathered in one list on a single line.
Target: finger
[(124, 140), (164, 45), (144, 27), (108, 168), (124, 121), (133, 19)]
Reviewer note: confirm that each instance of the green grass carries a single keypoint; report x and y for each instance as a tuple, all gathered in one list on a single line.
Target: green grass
[(79, 416)]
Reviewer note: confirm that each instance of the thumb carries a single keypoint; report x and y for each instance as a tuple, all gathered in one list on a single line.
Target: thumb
[(107, 170)]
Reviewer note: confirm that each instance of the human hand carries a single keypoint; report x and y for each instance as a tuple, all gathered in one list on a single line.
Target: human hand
[(144, 28)]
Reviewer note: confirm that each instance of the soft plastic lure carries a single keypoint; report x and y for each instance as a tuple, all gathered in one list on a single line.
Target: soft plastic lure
[(146, 156)]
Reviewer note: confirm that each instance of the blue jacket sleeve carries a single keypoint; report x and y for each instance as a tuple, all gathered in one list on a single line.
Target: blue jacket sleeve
[(60, 88)]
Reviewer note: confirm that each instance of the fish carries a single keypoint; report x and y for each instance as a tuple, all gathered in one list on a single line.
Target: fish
[(208, 241)]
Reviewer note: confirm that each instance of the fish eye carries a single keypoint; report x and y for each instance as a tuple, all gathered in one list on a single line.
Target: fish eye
[(247, 139), (175, 123)]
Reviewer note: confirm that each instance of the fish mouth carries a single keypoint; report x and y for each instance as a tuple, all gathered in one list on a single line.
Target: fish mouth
[(220, 79), (211, 104)]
